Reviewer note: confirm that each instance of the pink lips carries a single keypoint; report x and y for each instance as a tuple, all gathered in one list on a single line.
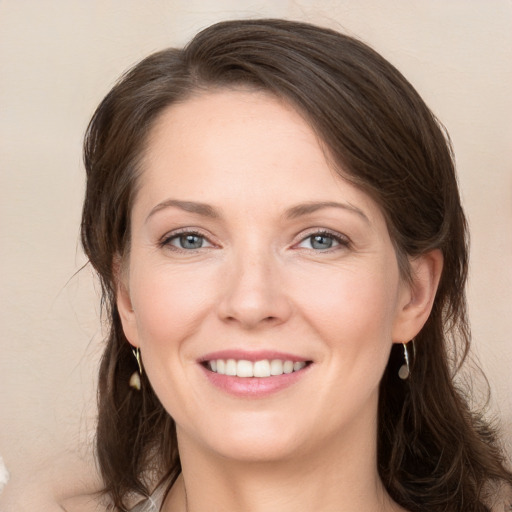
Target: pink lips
[(252, 387)]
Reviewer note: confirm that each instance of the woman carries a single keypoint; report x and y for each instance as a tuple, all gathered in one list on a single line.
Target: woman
[(274, 216)]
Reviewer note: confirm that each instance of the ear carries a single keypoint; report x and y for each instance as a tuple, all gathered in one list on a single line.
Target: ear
[(124, 303), (417, 296)]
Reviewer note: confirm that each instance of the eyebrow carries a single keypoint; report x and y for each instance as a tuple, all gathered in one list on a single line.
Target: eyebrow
[(294, 212), (312, 207), (189, 206)]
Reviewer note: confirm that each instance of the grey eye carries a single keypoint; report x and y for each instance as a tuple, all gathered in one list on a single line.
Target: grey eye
[(186, 241), (190, 241), (321, 241)]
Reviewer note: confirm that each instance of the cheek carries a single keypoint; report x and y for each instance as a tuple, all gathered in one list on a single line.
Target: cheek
[(350, 303), (170, 307), (170, 303), (352, 314)]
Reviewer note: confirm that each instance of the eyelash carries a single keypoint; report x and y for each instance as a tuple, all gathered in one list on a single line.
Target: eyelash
[(341, 240), (165, 242)]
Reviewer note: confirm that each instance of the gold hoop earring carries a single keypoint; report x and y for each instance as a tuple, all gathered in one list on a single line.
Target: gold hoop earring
[(135, 382)]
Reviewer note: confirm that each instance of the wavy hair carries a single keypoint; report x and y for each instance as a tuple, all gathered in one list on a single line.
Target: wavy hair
[(434, 453)]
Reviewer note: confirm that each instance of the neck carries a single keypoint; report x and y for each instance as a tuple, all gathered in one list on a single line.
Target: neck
[(271, 488), (343, 478)]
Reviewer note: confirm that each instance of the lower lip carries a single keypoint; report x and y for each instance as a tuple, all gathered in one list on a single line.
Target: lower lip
[(254, 387)]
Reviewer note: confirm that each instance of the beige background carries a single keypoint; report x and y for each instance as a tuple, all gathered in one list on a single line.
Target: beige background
[(57, 60)]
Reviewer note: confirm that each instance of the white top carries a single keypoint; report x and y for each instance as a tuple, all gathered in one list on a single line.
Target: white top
[(153, 503)]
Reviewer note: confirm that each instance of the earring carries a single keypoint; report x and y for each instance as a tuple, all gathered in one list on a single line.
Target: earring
[(135, 378), (405, 370)]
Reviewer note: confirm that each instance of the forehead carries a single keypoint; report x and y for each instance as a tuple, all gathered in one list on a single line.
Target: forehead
[(230, 119), (240, 145)]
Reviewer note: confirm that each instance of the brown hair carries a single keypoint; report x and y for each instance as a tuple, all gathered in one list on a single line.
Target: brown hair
[(433, 453)]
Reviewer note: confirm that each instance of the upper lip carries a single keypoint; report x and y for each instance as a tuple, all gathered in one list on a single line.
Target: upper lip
[(256, 355)]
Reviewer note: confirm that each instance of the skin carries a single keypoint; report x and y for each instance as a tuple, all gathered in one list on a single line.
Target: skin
[(258, 282)]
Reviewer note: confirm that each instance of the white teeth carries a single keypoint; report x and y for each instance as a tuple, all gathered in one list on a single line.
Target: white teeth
[(298, 366), (230, 367), (288, 367), (262, 368), (276, 367), (244, 369)]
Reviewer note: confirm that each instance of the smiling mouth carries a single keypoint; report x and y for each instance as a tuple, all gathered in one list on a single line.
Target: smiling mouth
[(262, 369)]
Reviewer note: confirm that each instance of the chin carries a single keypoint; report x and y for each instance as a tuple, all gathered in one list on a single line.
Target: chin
[(251, 440), (261, 449)]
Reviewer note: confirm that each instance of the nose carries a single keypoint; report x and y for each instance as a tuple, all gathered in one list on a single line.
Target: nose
[(253, 294)]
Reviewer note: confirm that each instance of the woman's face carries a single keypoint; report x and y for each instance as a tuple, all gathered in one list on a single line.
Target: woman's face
[(250, 255)]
